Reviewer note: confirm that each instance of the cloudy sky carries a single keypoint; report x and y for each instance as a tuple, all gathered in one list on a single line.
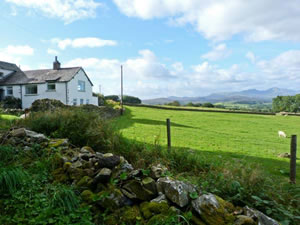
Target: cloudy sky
[(167, 47)]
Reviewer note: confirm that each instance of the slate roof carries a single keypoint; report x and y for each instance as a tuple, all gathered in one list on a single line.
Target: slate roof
[(16, 75), (36, 76)]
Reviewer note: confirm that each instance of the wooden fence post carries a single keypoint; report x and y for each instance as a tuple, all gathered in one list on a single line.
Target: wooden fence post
[(169, 134), (293, 159)]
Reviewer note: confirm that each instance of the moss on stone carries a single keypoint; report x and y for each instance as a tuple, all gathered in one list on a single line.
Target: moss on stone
[(110, 199), (60, 176), (87, 196), (57, 160), (84, 182), (67, 166), (220, 215), (54, 143), (153, 208), (131, 215), (88, 149), (197, 221), (158, 219)]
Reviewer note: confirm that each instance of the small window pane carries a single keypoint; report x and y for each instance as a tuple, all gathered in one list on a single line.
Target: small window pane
[(81, 85), (75, 101), (31, 89), (51, 87), (9, 90), (81, 101)]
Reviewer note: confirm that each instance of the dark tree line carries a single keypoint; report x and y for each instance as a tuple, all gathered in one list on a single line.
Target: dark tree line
[(126, 99), (286, 103)]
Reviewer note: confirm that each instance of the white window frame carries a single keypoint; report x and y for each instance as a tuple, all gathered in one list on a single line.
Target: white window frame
[(27, 88), (9, 89), (51, 84), (81, 86), (87, 101), (81, 101)]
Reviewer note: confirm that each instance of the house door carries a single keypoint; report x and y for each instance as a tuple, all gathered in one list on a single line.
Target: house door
[(1, 94)]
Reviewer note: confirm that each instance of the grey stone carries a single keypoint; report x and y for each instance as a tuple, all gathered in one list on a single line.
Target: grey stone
[(106, 155), (257, 215), (18, 132), (157, 171), (76, 164), (149, 184), (161, 198), (103, 176), (176, 191), (244, 220), (108, 162), (135, 190)]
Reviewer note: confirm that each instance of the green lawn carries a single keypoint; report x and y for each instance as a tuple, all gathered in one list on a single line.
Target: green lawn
[(6, 120), (253, 138)]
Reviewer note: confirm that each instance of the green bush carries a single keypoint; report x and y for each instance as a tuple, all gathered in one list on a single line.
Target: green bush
[(11, 102), (112, 97), (208, 105), (131, 99), (80, 127), (174, 103)]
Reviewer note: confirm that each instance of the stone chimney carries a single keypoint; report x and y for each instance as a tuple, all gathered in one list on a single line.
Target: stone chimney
[(56, 64)]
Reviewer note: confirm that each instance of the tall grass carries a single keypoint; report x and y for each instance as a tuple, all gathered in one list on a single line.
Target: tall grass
[(11, 178), (80, 127)]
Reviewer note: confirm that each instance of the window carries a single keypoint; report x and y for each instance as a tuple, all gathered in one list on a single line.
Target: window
[(9, 90), (75, 101), (31, 89), (87, 101), (81, 101), (81, 85), (51, 87)]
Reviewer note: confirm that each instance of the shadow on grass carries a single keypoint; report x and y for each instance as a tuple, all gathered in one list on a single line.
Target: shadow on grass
[(279, 168)]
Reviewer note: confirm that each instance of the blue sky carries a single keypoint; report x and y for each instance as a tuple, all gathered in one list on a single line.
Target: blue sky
[(167, 47)]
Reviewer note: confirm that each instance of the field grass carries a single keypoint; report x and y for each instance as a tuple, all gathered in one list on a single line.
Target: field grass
[(228, 137), (6, 121)]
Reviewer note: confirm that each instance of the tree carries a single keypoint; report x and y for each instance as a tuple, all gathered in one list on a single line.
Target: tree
[(174, 103), (112, 97), (208, 105), (131, 99)]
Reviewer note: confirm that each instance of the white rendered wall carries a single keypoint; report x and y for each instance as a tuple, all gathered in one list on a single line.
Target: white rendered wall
[(74, 93), (58, 94)]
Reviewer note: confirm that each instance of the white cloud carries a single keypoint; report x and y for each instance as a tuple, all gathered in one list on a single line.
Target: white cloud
[(221, 19), (219, 52), (14, 54), (51, 51), (19, 50), (285, 67), (251, 57), (67, 10), (90, 42)]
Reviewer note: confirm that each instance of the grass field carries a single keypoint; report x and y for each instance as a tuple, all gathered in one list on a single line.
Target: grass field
[(251, 138), (6, 120)]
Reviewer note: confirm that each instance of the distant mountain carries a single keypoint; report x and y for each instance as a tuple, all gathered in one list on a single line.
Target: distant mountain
[(252, 95)]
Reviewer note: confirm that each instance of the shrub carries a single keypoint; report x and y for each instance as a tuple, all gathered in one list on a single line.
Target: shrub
[(208, 105), (174, 103), (131, 99), (112, 97), (11, 102), (80, 127)]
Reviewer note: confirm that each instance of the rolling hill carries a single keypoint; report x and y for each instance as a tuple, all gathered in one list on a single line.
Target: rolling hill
[(250, 95)]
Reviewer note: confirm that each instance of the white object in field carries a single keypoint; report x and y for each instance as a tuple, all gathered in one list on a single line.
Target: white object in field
[(281, 134)]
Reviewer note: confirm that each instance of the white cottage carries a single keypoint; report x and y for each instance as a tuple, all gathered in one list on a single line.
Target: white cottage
[(71, 85)]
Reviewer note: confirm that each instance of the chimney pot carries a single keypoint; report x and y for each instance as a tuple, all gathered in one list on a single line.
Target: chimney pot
[(56, 64)]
